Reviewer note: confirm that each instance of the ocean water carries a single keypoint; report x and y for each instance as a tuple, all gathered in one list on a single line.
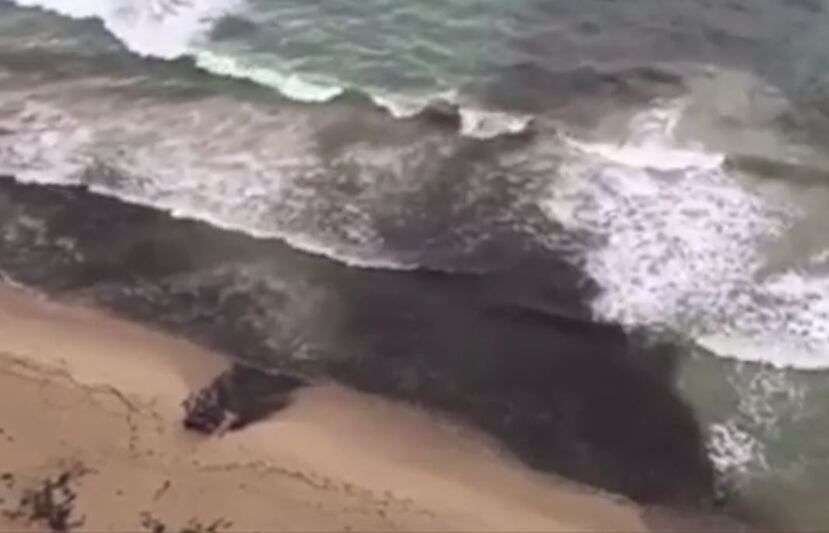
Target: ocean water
[(668, 156)]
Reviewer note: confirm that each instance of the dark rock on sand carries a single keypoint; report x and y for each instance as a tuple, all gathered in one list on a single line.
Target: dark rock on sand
[(238, 397)]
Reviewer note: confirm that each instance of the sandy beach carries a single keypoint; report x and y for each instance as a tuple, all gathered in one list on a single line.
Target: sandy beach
[(90, 421)]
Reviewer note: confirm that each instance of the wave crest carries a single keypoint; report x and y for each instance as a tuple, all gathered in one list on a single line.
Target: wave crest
[(172, 29), (164, 29)]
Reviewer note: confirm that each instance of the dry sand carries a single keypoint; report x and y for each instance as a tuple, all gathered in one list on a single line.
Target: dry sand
[(99, 399)]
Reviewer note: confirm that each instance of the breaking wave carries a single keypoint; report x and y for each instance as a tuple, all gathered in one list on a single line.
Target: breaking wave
[(681, 244), (172, 29)]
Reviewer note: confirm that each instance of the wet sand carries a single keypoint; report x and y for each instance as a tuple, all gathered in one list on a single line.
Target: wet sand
[(90, 422)]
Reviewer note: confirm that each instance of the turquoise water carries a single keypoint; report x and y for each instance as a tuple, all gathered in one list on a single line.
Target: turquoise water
[(387, 48)]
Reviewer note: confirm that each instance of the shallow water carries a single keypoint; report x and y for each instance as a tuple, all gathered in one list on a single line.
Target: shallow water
[(672, 152)]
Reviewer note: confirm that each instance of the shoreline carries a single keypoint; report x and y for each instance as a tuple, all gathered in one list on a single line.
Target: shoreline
[(334, 460)]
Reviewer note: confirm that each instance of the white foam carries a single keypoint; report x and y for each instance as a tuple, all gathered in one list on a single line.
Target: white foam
[(165, 29), (734, 451), (649, 145), (750, 441), (34, 154), (679, 242), (784, 323), (10, 281), (289, 84), (226, 164), (652, 156), (476, 122), (768, 398), (484, 124), (410, 105)]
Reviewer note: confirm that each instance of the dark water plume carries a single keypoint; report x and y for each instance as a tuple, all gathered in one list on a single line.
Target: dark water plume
[(512, 352)]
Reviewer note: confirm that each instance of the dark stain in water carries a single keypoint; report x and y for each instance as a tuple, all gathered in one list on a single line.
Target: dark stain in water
[(512, 352)]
